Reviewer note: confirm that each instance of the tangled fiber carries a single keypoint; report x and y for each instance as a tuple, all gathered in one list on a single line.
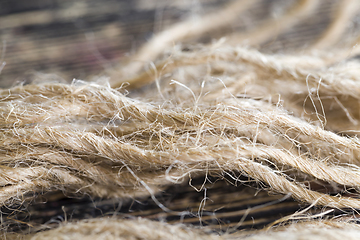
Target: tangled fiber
[(287, 121), (145, 229)]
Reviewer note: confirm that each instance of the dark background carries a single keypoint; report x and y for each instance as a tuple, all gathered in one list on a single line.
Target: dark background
[(76, 39), (79, 39)]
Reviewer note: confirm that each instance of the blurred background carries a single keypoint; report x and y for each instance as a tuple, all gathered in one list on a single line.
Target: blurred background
[(79, 39)]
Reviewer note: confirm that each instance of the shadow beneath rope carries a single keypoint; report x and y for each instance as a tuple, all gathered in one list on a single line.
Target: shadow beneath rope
[(219, 205)]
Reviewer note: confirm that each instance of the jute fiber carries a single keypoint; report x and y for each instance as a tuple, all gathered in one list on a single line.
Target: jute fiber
[(232, 107)]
